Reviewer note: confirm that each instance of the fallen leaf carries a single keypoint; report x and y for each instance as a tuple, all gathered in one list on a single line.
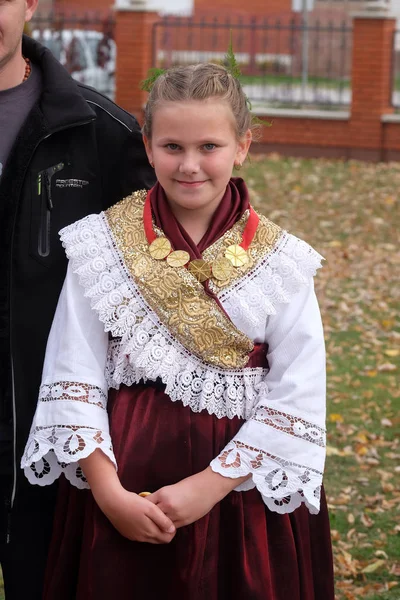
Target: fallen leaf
[(387, 367), (392, 352), (336, 418), (392, 584), (366, 521), (390, 200), (373, 566)]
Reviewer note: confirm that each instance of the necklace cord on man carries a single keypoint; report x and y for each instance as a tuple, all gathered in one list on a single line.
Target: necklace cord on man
[(28, 69)]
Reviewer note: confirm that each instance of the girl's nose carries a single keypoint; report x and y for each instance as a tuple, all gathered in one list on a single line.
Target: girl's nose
[(189, 164)]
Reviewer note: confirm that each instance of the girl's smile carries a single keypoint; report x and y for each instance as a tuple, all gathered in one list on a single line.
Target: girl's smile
[(191, 183)]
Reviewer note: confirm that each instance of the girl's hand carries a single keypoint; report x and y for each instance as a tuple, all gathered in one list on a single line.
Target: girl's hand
[(131, 515), (137, 519), (193, 497)]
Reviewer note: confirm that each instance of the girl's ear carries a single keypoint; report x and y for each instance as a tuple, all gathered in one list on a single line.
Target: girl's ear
[(147, 146), (243, 147)]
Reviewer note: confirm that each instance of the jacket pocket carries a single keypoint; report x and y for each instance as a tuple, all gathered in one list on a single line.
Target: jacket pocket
[(46, 207)]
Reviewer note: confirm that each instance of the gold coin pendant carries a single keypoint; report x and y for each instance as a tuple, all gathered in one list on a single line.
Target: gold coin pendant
[(160, 248), (237, 255), (222, 269), (200, 269), (178, 258)]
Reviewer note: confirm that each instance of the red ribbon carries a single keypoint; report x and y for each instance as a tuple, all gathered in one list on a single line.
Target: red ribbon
[(247, 237)]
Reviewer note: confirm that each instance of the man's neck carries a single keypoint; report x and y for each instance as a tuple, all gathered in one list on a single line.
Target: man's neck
[(12, 72)]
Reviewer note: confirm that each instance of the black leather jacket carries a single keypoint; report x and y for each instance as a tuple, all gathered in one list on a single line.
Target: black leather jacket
[(76, 154)]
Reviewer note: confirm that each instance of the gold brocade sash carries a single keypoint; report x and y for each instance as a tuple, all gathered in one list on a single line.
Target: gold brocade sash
[(175, 295)]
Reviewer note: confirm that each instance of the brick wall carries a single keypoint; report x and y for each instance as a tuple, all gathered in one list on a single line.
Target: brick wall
[(308, 138), (133, 36), (336, 11), (238, 8), (210, 8), (391, 141), (191, 40), (90, 7), (45, 6), (329, 139), (363, 135), (372, 80), (358, 134), (261, 9)]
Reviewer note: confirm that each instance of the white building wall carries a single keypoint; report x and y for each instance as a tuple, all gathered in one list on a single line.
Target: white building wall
[(178, 7)]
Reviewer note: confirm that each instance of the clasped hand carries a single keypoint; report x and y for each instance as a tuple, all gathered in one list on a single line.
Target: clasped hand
[(139, 520), (190, 499), (154, 519)]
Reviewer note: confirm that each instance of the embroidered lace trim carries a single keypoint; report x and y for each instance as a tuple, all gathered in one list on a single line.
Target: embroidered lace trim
[(224, 394), (177, 298), (81, 392), (283, 484), (145, 348), (289, 265), (290, 424), (273, 281), (55, 449)]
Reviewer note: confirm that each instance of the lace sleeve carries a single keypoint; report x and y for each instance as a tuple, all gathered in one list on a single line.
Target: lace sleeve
[(282, 445), (71, 416)]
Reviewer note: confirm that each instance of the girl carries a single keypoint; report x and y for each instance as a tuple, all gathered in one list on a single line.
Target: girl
[(184, 380)]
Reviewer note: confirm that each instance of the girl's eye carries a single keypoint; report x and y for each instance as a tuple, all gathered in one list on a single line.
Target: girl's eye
[(209, 147), (172, 146)]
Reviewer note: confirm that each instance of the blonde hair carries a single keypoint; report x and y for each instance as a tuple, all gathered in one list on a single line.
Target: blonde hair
[(199, 82)]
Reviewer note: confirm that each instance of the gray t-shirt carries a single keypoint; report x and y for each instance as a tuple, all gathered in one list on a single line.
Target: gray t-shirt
[(15, 105)]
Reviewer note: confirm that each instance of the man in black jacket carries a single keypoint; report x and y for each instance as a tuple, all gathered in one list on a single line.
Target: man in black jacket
[(65, 151)]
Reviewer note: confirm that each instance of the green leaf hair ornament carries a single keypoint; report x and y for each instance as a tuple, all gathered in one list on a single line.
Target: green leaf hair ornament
[(230, 61), (153, 74), (231, 66)]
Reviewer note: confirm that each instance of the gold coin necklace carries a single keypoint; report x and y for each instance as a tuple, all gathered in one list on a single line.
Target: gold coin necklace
[(160, 248)]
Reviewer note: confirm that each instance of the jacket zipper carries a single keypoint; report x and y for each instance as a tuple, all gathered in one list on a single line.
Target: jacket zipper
[(14, 408), (44, 192), (14, 486)]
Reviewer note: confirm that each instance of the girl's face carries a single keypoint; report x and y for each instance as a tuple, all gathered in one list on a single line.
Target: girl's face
[(194, 148)]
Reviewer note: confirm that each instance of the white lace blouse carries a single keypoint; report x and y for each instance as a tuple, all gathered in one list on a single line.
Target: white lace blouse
[(104, 334)]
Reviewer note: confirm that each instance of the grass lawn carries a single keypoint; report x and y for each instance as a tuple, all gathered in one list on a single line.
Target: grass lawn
[(350, 213), (287, 79)]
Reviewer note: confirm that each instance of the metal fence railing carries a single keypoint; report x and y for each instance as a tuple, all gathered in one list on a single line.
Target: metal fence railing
[(84, 45), (284, 64)]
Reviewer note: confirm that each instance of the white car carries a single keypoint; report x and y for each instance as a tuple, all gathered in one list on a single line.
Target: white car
[(89, 56)]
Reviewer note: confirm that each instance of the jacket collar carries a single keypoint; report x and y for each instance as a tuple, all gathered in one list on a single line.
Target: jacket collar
[(61, 101)]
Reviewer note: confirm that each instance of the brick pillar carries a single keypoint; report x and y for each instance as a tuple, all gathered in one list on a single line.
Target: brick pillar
[(133, 36), (372, 77)]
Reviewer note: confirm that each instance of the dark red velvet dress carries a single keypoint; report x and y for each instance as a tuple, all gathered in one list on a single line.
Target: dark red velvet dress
[(239, 551)]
